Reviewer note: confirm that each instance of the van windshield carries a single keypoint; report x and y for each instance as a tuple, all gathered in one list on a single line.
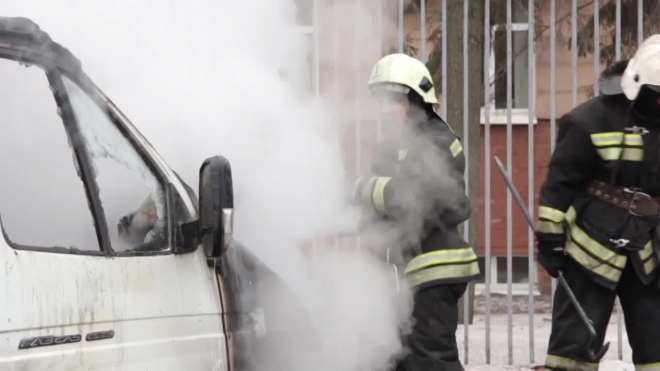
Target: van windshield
[(130, 193)]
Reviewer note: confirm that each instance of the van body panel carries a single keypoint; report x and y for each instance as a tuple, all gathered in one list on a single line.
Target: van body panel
[(164, 311)]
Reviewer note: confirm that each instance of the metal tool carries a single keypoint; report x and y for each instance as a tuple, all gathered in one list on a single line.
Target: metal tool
[(595, 356)]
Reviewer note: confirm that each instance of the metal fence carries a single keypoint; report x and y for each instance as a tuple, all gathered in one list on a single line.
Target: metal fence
[(570, 36)]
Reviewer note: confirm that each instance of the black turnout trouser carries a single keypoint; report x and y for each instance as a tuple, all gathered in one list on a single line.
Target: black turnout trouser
[(567, 348), (432, 343)]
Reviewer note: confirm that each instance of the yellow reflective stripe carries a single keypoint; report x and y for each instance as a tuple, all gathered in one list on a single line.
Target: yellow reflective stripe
[(634, 140), (648, 258), (449, 256), (402, 154), (378, 195), (363, 189), (650, 265), (646, 252), (544, 226), (610, 154), (633, 154), (611, 138), (456, 147), (596, 249), (614, 153), (551, 214), (584, 259), (571, 215), (443, 272), (648, 367), (564, 363)]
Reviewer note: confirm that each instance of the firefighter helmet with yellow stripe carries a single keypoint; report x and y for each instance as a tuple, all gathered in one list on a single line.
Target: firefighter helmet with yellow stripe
[(401, 73)]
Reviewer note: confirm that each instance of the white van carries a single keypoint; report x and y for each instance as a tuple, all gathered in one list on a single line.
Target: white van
[(86, 282)]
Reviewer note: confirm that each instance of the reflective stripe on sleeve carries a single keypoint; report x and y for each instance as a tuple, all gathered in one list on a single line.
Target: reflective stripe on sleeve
[(456, 147), (551, 214), (363, 189), (544, 226), (442, 265), (378, 194), (443, 272), (433, 258)]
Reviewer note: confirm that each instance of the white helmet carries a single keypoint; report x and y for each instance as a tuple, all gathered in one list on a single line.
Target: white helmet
[(400, 73), (643, 68)]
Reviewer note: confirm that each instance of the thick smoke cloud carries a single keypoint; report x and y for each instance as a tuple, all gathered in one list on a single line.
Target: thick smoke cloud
[(201, 78)]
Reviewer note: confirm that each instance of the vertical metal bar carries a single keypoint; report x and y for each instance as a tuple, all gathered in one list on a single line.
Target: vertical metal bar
[(401, 34), (640, 22), (617, 53), (531, 75), (444, 59), (466, 150), (574, 20), (317, 47), (553, 91), (596, 46), (509, 160), (358, 90), (487, 157), (335, 72), (379, 38), (422, 30), (617, 26)]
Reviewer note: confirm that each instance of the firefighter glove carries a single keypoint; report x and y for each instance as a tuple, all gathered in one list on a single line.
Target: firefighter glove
[(551, 258)]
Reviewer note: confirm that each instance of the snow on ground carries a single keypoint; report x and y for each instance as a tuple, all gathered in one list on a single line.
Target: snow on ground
[(499, 343)]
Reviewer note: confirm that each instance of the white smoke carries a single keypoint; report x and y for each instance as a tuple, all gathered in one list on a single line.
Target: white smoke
[(201, 78)]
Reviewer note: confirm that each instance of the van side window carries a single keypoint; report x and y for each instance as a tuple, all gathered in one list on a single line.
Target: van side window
[(42, 199), (133, 199)]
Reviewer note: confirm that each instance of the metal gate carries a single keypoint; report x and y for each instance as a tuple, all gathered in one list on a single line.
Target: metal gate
[(523, 92)]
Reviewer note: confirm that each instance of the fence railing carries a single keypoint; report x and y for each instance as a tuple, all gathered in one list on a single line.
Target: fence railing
[(536, 60)]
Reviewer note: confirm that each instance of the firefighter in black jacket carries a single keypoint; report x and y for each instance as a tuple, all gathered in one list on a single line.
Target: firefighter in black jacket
[(416, 188), (598, 215)]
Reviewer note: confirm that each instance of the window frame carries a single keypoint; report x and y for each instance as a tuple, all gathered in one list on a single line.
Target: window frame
[(54, 68), (312, 81), (499, 116), (118, 119), (494, 271)]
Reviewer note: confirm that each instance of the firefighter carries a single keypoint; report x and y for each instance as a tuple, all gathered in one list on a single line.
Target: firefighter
[(416, 187), (598, 214)]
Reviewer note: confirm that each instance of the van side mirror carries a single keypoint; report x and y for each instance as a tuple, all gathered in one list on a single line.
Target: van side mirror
[(216, 206)]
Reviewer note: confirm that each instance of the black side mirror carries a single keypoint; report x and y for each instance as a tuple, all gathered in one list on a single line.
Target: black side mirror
[(216, 206)]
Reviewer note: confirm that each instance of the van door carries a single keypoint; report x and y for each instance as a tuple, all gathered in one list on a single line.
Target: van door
[(77, 294)]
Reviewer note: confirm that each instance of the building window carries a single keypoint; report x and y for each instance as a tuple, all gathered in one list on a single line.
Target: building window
[(519, 268), (301, 73), (521, 102)]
